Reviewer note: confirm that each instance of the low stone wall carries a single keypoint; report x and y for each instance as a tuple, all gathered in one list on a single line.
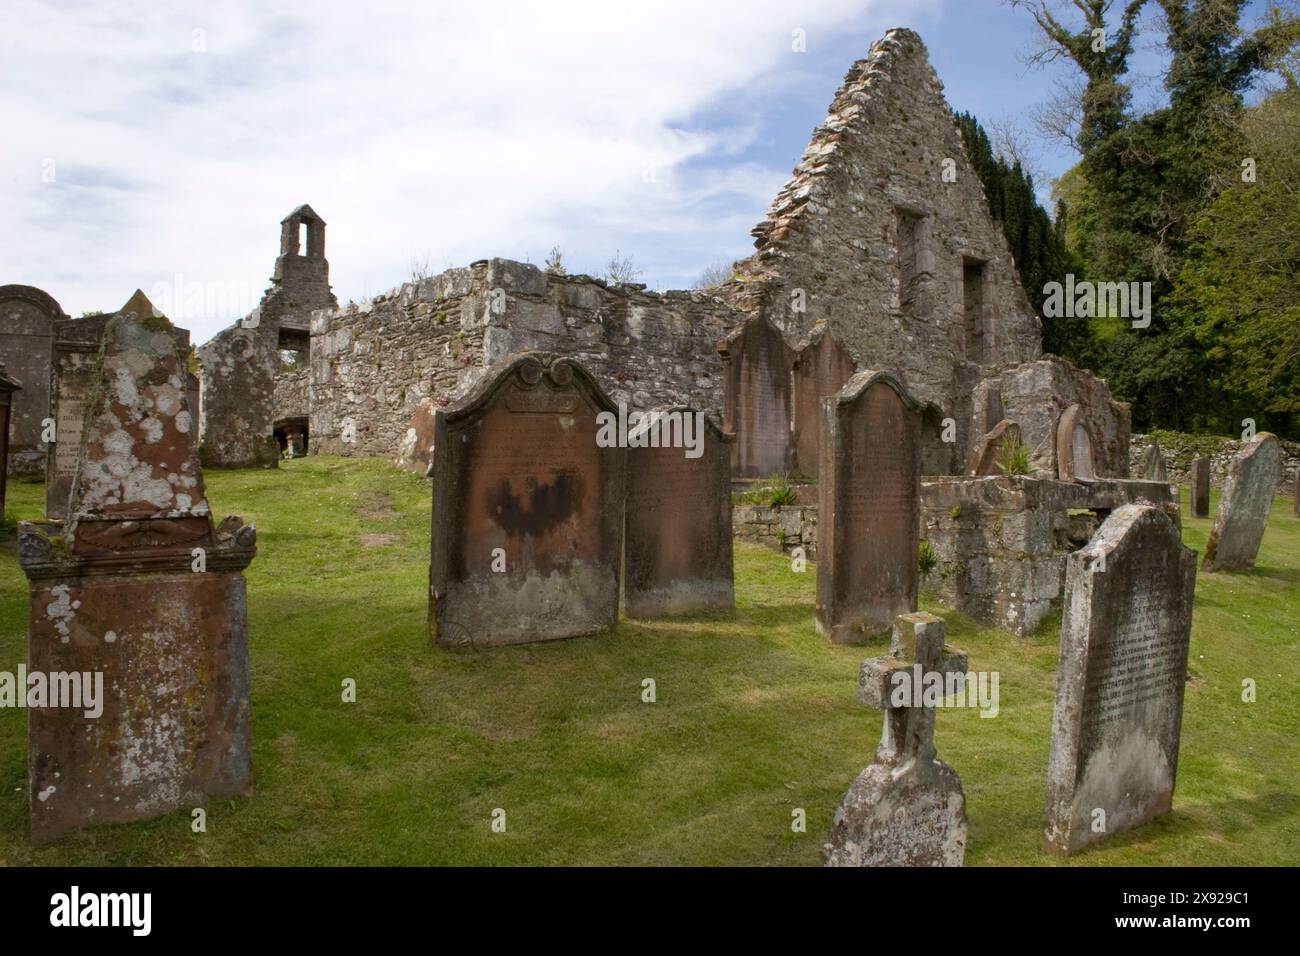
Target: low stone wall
[(1182, 450), (779, 527), (1002, 542)]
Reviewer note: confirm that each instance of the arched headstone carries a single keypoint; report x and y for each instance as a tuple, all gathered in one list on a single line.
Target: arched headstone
[(756, 365), (1074, 457)]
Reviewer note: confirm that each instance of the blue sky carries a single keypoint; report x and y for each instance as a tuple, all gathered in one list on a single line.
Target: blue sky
[(162, 144)]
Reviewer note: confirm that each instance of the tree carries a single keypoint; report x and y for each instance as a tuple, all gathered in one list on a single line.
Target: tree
[(713, 276)]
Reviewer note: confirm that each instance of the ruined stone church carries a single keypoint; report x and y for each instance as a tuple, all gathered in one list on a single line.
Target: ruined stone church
[(880, 253)]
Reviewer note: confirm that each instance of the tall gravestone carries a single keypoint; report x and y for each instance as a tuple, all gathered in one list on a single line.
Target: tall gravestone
[(1153, 464), (821, 367), (907, 807), (138, 587), (527, 508), (868, 514), (7, 388), (756, 365), (1074, 455), (1239, 524), (74, 355), (26, 317), (1119, 690), (1201, 488), (1296, 501), (677, 552)]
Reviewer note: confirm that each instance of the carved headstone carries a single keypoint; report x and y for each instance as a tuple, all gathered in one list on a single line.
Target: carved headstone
[(677, 555), (528, 495), (907, 807), (141, 590), (1119, 689), (821, 367), (756, 365), (988, 452), (1201, 488), (1239, 523), (868, 523), (1153, 464), (1074, 458)]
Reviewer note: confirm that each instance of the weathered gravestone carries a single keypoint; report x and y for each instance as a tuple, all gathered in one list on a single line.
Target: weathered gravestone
[(986, 459), (1243, 507), (73, 367), (1296, 500), (1153, 464), (907, 807), (756, 364), (1201, 488), (26, 315), (1119, 688), (1074, 457), (137, 590), (677, 552), (868, 523), (821, 367), (528, 499)]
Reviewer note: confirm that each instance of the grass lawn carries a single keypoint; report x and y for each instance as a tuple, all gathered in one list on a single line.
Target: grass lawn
[(755, 715)]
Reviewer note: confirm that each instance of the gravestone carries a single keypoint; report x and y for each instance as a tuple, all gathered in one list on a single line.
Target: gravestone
[(138, 587), (26, 317), (756, 365), (987, 407), (677, 552), (821, 367), (73, 360), (1296, 501), (1074, 457), (1119, 689), (1247, 497), (988, 452), (527, 532), (1201, 488), (907, 807), (868, 520), (1153, 464)]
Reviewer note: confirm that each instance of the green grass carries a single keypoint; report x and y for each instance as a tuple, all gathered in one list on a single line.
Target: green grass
[(756, 715)]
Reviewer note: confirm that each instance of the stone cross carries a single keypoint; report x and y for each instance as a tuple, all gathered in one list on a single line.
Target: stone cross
[(907, 807)]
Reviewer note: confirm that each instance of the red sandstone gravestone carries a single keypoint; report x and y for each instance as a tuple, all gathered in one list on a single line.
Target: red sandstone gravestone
[(868, 534), (677, 553), (1201, 488), (527, 529), (821, 367), (137, 586), (1074, 456), (756, 364), (988, 451), (1119, 689)]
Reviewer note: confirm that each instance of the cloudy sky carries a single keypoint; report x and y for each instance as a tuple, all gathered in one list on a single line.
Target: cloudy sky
[(158, 145)]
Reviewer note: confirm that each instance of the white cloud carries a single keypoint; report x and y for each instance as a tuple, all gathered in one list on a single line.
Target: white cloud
[(181, 136)]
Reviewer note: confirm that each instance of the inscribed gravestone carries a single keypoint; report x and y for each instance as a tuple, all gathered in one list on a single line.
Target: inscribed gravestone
[(527, 508), (1074, 456), (821, 367), (677, 553), (1243, 508), (756, 364), (907, 807), (1201, 488), (985, 460), (868, 523), (1119, 689), (139, 588)]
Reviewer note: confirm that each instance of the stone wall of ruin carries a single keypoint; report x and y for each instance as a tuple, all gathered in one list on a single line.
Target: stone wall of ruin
[(1179, 458), (373, 363), (909, 271)]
